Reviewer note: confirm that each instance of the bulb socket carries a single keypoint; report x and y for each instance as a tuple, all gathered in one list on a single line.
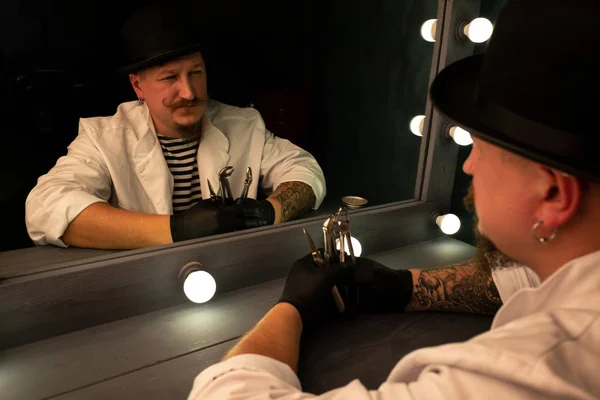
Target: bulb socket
[(461, 32), (434, 216), (188, 268)]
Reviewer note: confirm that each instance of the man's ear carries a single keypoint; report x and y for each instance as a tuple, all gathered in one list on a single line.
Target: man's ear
[(562, 199), (135, 80)]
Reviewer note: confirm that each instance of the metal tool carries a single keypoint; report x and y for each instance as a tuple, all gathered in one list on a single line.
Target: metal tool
[(318, 259), (225, 189), (316, 254), (336, 232), (328, 240), (345, 237), (336, 236), (247, 184), (213, 195)]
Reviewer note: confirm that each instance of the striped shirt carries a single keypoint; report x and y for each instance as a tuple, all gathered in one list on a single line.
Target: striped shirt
[(180, 155)]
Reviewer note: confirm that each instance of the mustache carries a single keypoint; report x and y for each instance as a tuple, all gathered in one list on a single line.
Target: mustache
[(184, 103)]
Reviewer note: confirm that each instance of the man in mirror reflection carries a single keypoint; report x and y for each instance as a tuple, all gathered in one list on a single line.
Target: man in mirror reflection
[(536, 191), (141, 177)]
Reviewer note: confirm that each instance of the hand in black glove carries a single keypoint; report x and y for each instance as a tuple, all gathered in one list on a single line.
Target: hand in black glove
[(207, 218), (308, 288), (203, 219), (254, 213), (373, 287)]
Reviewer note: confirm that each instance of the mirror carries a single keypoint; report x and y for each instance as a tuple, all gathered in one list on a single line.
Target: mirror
[(342, 79)]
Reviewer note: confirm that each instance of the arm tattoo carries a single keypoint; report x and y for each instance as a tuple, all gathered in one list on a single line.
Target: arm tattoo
[(295, 198), (464, 287)]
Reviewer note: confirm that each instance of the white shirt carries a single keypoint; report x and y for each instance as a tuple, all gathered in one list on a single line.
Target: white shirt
[(119, 159), (544, 343), (513, 278)]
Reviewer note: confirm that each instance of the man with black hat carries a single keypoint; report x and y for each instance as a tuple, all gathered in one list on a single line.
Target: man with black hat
[(536, 181), (150, 174)]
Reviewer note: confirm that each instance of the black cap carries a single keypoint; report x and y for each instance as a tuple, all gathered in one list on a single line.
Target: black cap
[(532, 92), (158, 33)]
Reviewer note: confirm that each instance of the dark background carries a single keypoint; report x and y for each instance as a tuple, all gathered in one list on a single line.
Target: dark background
[(339, 78), (490, 9)]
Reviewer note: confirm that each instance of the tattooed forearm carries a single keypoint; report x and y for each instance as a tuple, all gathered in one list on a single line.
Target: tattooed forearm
[(464, 287), (295, 198)]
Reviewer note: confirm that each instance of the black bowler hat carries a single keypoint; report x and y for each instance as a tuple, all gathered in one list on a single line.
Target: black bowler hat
[(534, 90), (160, 32)]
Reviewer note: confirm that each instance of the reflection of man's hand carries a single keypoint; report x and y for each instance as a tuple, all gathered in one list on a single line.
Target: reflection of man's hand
[(211, 217), (254, 213), (204, 218)]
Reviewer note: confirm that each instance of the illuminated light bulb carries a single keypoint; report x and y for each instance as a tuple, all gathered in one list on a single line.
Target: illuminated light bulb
[(428, 30), (356, 246), (460, 136), (479, 30), (416, 125), (199, 286), (449, 223)]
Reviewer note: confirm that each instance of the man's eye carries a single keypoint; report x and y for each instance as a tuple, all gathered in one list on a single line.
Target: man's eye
[(168, 78), (198, 72)]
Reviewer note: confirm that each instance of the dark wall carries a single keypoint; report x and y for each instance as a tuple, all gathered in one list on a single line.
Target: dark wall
[(57, 65), (490, 9)]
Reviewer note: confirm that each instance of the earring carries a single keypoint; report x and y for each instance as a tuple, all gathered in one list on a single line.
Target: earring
[(542, 239), (141, 101)]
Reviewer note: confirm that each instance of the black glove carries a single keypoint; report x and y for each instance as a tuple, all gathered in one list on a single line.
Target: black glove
[(308, 288), (254, 213), (373, 287), (203, 219), (209, 217)]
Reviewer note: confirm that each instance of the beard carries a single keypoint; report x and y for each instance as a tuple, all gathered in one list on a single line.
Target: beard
[(489, 255), (193, 132), (190, 133)]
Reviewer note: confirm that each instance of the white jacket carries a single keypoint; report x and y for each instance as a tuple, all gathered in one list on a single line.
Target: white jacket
[(119, 160), (543, 344)]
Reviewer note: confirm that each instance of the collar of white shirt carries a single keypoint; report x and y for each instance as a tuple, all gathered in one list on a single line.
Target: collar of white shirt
[(574, 285)]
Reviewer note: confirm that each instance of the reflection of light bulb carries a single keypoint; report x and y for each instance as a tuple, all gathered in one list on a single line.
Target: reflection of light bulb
[(460, 136), (199, 286), (416, 125), (449, 223), (356, 246), (479, 30), (428, 30)]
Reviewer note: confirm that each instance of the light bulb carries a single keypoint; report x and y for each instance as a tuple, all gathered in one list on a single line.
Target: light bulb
[(460, 136), (428, 30), (199, 286), (479, 30), (356, 246), (416, 125), (449, 223)]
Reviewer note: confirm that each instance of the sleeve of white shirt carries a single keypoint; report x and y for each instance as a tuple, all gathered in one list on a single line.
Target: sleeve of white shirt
[(257, 377), (283, 161), (251, 376), (78, 180)]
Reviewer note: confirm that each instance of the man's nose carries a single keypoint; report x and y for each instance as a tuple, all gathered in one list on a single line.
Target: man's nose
[(185, 89), (467, 166)]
